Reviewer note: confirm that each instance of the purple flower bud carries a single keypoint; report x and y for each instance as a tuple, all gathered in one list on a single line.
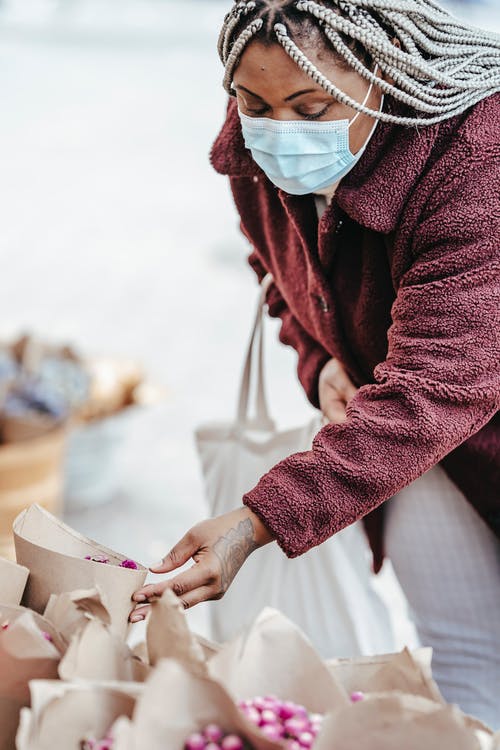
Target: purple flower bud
[(295, 726), (129, 564), (268, 717), (259, 703), (252, 714), (195, 742), (272, 703), (306, 739), (47, 636), (287, 710), (357, 696), (300, 711), (213, 733), (273, 731), (232, 742)]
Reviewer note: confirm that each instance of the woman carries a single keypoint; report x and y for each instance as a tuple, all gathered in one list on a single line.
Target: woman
[(362, 145)]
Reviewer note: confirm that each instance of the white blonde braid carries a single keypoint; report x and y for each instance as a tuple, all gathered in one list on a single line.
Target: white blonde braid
[(441, 67)]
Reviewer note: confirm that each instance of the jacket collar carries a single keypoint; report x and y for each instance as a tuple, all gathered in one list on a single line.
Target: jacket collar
[(376, 190)]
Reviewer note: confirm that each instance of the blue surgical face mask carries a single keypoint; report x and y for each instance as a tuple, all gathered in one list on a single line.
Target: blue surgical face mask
[(300, 156)]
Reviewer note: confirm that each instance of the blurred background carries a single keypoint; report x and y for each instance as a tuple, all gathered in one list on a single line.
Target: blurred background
[(118, 238)]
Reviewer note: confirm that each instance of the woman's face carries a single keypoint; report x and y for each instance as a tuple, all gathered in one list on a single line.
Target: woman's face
[(269, 84)]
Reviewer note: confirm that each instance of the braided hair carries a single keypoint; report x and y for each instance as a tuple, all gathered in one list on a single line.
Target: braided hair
[(438, 67)]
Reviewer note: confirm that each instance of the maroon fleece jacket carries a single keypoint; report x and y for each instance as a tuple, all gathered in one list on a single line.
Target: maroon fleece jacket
[(399, 281)]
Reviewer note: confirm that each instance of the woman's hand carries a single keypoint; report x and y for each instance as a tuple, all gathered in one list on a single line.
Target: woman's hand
[(219, 547), (335, 391)]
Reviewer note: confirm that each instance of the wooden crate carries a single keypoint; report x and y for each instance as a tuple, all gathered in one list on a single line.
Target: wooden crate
[(30, 472)]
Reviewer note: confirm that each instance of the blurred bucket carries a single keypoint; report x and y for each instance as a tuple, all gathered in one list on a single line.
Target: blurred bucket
[(30, 472), (92, 468)]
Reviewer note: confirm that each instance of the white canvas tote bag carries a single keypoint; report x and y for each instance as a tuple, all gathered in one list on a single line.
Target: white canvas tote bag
[(327, 591)]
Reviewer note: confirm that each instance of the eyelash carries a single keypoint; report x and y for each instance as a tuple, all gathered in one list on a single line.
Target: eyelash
[(316, 116)]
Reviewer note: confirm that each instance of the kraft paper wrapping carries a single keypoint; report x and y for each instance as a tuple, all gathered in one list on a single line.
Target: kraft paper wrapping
[(97, 653), (209, 648), (55, 555), (177, 702), (273, 657), (168, 634), (25, 654), (12, 582), (391, 721), (63, 714), (70, 612), (404, 672)]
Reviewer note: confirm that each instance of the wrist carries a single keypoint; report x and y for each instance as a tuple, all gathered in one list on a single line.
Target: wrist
[(262, 535)]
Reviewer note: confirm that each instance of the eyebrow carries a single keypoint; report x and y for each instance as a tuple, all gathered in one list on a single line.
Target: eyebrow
[(288, 98)]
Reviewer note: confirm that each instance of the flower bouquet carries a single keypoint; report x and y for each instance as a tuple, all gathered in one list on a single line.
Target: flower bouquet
[(273, 657), (391, 721), (69, 715), (60, 559), (195, 702), (94, 651), (404, 672), (30, 648)]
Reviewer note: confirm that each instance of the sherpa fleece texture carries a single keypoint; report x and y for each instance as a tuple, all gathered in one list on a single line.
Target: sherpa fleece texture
[(400, 282)]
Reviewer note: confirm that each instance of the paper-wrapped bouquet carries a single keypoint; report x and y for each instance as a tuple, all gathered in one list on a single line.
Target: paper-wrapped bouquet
[(71, 681)]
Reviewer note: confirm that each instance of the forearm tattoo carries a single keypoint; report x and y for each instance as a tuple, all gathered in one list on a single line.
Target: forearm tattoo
[(233, 549)]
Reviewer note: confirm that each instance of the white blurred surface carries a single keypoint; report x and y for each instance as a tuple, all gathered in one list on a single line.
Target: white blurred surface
[(117, 235)]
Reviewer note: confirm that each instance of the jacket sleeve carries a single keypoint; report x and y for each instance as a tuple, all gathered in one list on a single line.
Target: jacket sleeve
[(311, 356), (438, 385)]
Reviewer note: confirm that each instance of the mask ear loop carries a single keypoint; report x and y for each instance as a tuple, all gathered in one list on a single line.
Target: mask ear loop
[(366, 97)]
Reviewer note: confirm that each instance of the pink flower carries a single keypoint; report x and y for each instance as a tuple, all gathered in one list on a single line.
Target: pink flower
[(47, 636), (357, 696), (129, 564)]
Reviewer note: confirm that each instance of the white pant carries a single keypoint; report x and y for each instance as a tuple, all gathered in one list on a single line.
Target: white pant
[(448, 563)]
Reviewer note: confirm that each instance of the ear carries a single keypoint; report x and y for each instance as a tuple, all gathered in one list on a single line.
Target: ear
[(395, 41)]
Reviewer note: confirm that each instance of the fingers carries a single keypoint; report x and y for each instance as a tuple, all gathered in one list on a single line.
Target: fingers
[(139, 613), (344, 385), (178, 555), (202, 594), (189, 600), (152, 591), (196, 585), (335, 411), (200, 574), (334, 376)]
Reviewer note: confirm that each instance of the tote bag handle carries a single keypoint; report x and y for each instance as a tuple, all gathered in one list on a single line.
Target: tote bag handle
[(253, 370)]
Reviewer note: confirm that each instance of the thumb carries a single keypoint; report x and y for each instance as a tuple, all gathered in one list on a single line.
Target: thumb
[(178, 555)]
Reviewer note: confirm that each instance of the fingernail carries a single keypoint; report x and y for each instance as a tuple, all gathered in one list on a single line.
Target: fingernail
[(136, 618), (156, 565), (139, 598)]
